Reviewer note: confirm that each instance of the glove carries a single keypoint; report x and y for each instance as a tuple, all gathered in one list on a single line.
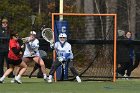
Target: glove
[(60, 59), (22, 46), (52, 45), (26, 39), (32, 53), (20, 53)]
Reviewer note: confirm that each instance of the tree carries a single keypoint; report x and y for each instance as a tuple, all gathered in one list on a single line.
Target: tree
[(17, 12), (132, 16), (111, 7), (78, 5), (89, 26)]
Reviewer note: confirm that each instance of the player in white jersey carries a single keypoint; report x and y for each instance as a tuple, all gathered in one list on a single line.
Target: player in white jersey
[(32, 53), (64, 54)]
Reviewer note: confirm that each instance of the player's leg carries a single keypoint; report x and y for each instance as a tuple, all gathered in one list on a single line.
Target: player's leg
[(136, 63), (11, 75), (130, 67), (23, 67), (54, 66), (34, 69), (16, 74), (8, 71), (39, 73), (41, 63), (1, 65), (122, 68), (74, 72), (26, 59)]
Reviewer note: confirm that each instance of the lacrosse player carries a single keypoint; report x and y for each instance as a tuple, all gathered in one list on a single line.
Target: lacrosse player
[(31, 52), (64, 54), (14, 59)]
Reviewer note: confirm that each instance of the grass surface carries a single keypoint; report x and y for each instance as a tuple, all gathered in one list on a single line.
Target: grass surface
[(35, 85)]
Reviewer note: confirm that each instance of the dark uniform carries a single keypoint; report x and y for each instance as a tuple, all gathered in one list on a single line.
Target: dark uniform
[(4, 47), (125, 56)]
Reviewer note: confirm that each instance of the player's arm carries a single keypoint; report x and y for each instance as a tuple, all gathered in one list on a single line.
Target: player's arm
[(35, 45), (66, 57), (68, 54), (25, 40), (29, 47), (32, 52), (16, 51), (52, 45)]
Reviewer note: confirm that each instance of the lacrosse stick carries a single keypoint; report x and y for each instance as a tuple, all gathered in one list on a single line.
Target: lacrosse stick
[(60, 59), (63, 64), (48, 35)]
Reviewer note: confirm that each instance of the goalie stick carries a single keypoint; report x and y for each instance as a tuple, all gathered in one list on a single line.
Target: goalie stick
[(48, 35)]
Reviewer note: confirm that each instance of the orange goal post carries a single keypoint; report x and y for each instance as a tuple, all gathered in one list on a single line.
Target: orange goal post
[(93, 39)]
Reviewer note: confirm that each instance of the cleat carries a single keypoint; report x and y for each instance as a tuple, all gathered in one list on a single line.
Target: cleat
[(18, 81), (1, 82), (126, 77), (50, 79), (13, 80), (78, 79), (30, 76), (45, 78)]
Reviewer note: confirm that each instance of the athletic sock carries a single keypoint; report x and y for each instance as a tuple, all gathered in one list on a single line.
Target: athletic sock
[(18, 77), (78, 79), (44, 76), (15, 76)]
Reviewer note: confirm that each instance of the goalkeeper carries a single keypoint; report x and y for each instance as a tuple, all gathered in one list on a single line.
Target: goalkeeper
[(64, 54)]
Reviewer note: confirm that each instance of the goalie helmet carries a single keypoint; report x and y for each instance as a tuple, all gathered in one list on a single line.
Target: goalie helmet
[(64, 36)]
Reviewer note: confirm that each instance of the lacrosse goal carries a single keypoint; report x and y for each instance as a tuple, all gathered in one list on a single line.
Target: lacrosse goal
[(93, 39)]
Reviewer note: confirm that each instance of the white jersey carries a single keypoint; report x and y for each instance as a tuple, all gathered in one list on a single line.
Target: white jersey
[(62, 50), (31, 46)]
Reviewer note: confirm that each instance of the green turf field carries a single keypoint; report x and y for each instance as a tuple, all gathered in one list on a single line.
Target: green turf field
[(35, 85)]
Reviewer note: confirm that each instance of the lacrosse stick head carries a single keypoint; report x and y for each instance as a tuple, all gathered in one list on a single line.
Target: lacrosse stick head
[(48, 35), (121, 33)]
